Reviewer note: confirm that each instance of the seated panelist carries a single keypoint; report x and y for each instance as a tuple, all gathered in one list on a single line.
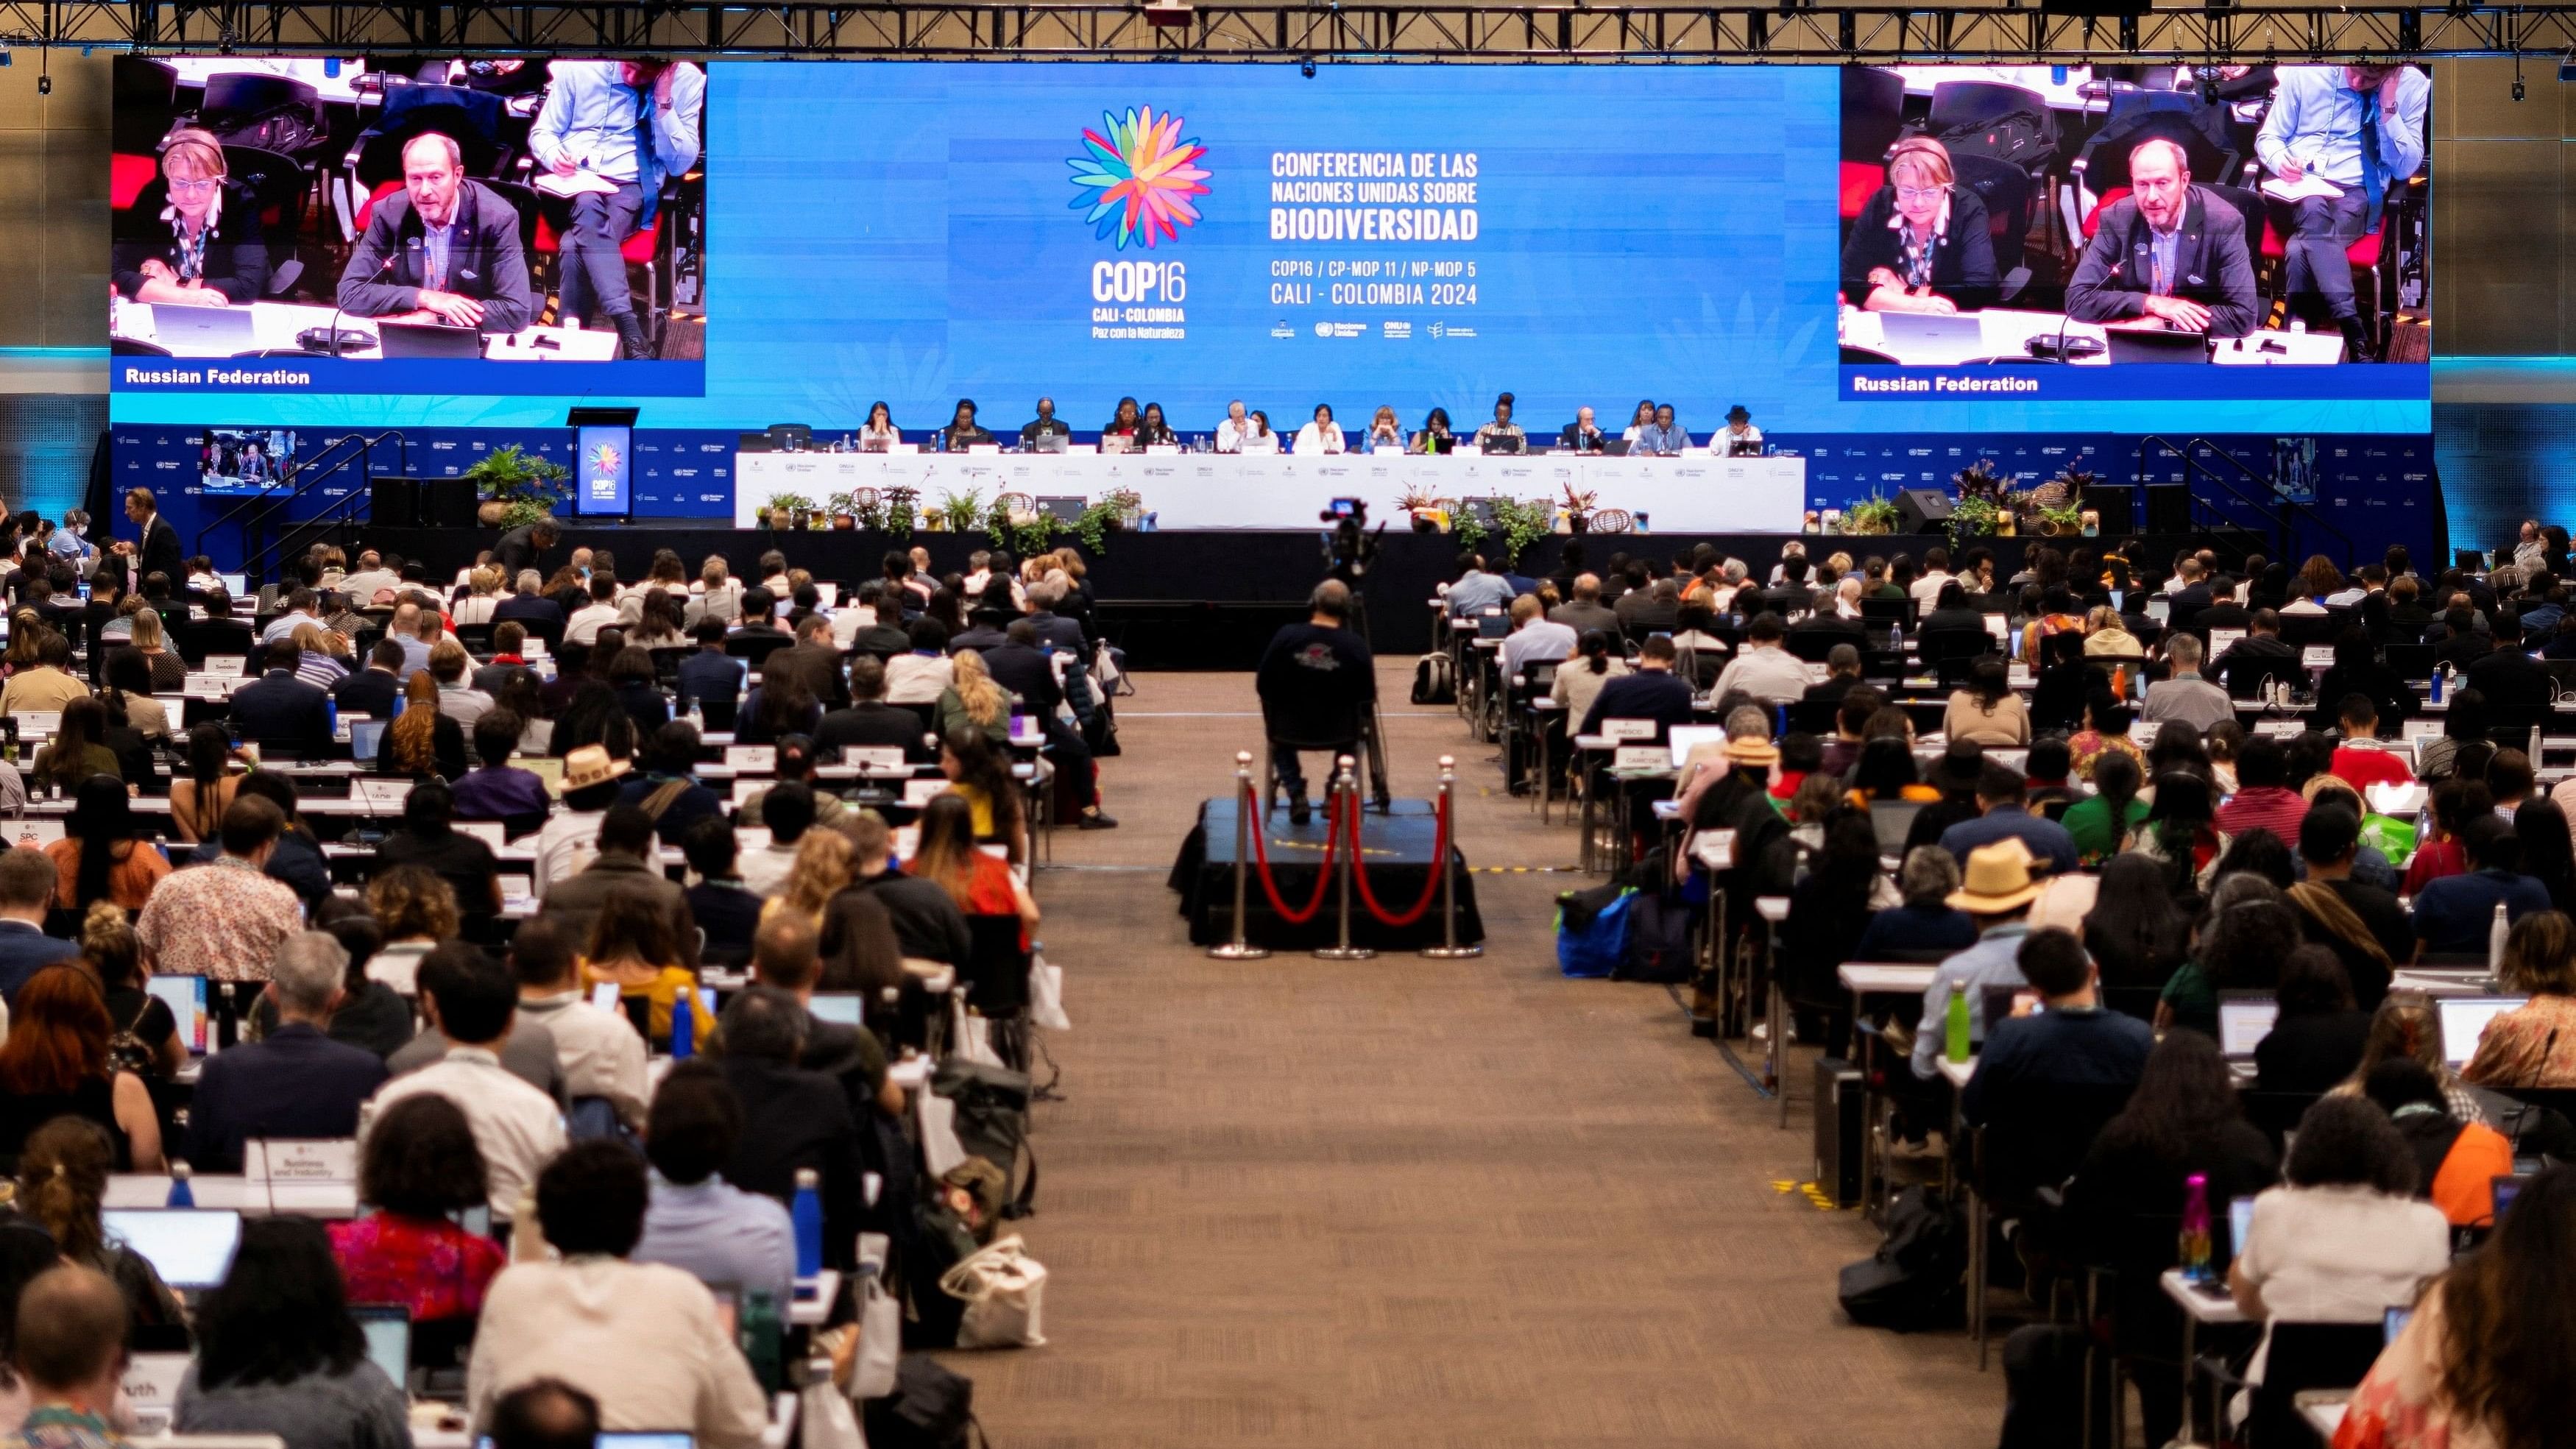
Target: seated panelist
[(444, 250), (193, 237), (2168, 255), (1921, 244)]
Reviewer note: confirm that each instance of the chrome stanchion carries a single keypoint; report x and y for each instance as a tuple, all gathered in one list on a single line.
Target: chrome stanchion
[(1449, 949), (1238, 949), (1346, 801)]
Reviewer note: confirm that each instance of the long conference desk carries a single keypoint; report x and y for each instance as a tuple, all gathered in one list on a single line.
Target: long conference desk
[(275, 326), (2005, 334), (1695, 493)]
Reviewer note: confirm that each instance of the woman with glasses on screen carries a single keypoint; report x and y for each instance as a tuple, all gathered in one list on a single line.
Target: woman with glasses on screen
[(192, 238), (1921, 243), (1385, 434)]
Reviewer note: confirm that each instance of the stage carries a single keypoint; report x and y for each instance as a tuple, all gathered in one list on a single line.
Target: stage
[(1204, 600), (1395, 851)]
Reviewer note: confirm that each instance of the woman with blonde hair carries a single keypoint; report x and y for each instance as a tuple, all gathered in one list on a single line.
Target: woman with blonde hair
[(2106, 638), (62, 1183), (192, 238), (422, 741), (2407, 1026), (318, 664), (981, 883), (2533, 1045), (1922, 243), (169, 671), (974, 700), (822, 869), (482, 596), (415, 909)]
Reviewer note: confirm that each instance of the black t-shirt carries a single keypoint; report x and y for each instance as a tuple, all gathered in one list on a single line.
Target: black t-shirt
[(2388, 925), (465, 863), (1314, 681)]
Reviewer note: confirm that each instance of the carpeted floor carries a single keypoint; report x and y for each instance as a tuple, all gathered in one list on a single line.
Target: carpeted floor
[(1406, 1202)]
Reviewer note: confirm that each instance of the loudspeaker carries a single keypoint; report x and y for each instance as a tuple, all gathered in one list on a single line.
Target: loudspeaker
[(1922, 510), (2169, 508), (1839, 1100), (448, 503), (2117, 503), (393, 502)]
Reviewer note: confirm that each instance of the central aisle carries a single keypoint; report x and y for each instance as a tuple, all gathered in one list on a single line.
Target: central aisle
[(1406, 1202)]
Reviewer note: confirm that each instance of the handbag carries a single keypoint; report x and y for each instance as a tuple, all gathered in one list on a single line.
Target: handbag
[(824, 1418), (1003, 1289), (872, 1376), (1046, 996), (971, 1037)]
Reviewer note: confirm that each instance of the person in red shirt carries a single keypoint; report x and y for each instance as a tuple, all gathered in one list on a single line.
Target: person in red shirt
[(2263, 798), (2456, 802), (421, 1165), (2361, 761)]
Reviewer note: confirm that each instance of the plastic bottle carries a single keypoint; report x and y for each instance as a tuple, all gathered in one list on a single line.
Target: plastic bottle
[(1956, 1020), (806, 1212), (2433, 693), (2194, 1249), (180, 1195), (758, 1330), (331, 715), (684, 1028), (2497, 930), (1896, 640)]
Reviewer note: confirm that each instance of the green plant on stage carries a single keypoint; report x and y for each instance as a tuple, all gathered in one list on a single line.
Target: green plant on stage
[(2065, 521), (1467, 528), (841, 505), (1874, 514), (868, 506), (1974, 518), (902, 507), (796, 506), (1525, 521), (526, 486), (962, 510)]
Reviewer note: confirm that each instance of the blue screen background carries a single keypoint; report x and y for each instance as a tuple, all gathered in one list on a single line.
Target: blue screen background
[(902, 232)]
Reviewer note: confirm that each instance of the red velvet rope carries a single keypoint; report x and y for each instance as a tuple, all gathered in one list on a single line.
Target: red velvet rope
[(1439, 863), (1323, 873)]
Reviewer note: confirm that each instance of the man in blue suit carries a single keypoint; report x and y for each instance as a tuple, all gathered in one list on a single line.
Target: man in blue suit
[(297, 1082), (26, 888), (280, 711)]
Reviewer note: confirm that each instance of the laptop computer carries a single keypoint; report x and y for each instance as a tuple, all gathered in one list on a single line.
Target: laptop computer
[(191, 1248), (1615, 448), (2464, 1020), (430, 340), (1930, 329), (1049, 442), (186, 998), (2130, 344), (203, 331), (2244, 1019), (841, 1008), (366, 738), (1504, 445)]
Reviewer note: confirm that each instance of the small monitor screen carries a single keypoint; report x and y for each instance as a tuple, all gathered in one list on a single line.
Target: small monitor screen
[(842, 1008), (2243, 1022), (186, 998), (189, 1247), (2464, 1020), (366, 737), (2240, 1223), (388, 1333), (236, 462), (2393, 1324)]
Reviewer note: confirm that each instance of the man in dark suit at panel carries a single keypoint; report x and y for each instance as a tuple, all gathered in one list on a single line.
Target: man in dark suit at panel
[(297, 1082), (281, 712), (445, 250), (2170, 254)]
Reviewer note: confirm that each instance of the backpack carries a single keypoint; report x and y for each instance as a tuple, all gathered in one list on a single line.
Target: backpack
[(1592, 930), (993, 1121), (2044, 1369), (1432, 683), (1659, 940), (2021, 139), (1918, 1277), (930, 1408)]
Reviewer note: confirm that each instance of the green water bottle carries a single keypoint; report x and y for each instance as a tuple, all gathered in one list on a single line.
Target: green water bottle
[(1956, 1019)]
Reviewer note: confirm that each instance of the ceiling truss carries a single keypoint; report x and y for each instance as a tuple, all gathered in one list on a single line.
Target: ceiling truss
[(1562, 34)]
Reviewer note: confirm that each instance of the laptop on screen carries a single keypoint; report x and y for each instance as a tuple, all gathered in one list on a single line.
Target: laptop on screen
[(203, 331), (1929, 329), (2464, 1020), (366, 737), (841, 1008), (388, 1330), (2244, 1019), (429, 339), (191, 1248), (186, 998)]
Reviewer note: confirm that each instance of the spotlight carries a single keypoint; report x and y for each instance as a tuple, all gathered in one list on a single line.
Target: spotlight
[(44, 85), (1305, 67), (2518, 88)]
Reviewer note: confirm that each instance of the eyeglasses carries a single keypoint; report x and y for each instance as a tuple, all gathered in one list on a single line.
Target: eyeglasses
[(205, 183), (1920, 193)]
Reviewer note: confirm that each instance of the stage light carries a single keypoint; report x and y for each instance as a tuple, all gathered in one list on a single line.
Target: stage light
[(44, 85), (1306, 67), (1164, 14), (2517, 88)]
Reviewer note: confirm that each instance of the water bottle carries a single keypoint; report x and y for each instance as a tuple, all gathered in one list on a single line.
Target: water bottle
[(684, 1027), (1896, 640), (2194, 1252), (331, 716), (1956, 1020), (2433, 694), (2497, 930), (758, 1332), (180, 1196), (806, 1212)]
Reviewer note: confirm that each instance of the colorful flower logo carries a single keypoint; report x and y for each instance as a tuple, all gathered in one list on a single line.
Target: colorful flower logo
[(603, 458), (1138, 179)]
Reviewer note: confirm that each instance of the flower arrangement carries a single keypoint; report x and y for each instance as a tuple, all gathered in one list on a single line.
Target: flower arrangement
[(517, 487), (902, 510), (789, 510), (1875, 514), (1578, 509)]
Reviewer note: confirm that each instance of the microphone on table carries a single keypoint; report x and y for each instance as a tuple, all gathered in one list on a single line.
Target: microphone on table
[(332, 342), (2062, 348)]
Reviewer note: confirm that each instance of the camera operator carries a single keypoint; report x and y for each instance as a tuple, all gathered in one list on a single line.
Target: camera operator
[(1350, 551)]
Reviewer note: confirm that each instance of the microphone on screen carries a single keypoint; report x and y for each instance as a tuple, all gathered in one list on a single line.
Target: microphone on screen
[(332, 342), (2062, 348)]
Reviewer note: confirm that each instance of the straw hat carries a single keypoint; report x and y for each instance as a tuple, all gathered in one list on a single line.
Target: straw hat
[(1998, 879), (590, 765), (1751, 751)]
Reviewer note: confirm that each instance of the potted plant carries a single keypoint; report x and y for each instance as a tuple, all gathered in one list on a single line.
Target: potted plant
[(1578, 510), (1524, 521), (902, 505), (789, 510), (1423, 508), (961, 511), (1875, 514), (1975, 518), (1126, 508), (844, 510), (517, 487), (868, 507)]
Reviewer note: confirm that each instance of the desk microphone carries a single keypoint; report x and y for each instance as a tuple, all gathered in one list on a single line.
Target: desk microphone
[(332, 342), (2062, 348)]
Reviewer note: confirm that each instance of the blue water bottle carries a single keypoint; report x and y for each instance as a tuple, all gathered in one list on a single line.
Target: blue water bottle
[(180, 1196), (807, 1215), (331, 716), (684, 1027)]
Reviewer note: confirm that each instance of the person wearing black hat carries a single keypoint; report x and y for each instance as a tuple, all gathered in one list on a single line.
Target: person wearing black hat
[(1739, 439)]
